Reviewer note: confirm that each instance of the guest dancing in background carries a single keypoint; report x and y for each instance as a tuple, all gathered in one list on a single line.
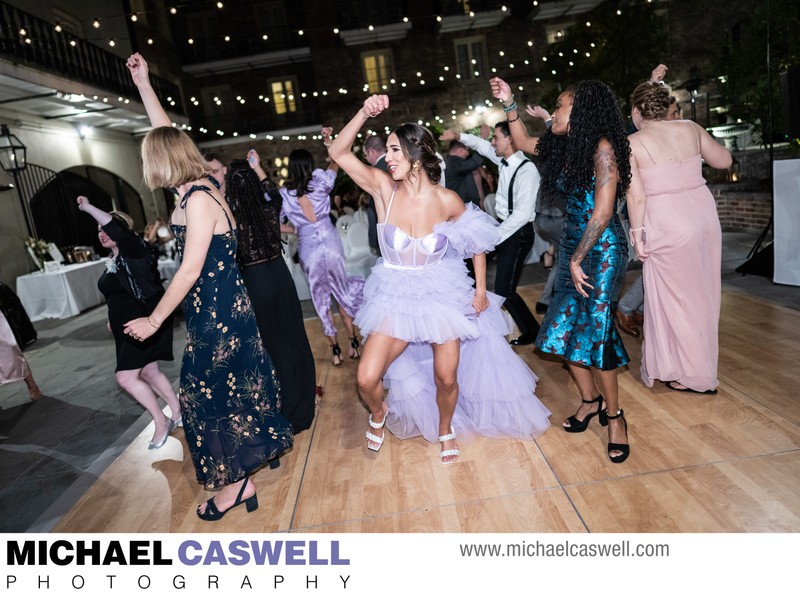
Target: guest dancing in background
[(13, 364), (433, 339), (307, 205), (132, 288), (676, 232), (228, 394), (256, 204), (585, 156)]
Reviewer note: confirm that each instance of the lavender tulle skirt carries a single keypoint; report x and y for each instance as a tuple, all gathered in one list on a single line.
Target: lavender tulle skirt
[(434, 305)]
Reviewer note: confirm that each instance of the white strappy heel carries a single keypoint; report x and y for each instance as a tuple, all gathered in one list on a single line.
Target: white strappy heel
[(375, 442), (445, 453)]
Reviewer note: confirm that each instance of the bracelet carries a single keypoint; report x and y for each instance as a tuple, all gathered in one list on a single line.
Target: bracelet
[(511, 107), (514, 120), (642, 228), (152, 324), (508, 101)]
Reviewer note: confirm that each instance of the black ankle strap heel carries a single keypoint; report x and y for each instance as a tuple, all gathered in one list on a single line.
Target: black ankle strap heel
[(576, 426), (337, 354), (624, 448), (354, 346)]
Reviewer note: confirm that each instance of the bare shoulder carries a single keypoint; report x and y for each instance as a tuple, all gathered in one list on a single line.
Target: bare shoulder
[(452, 203)]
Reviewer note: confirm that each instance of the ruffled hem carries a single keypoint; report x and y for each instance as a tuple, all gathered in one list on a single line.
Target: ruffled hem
[(496, 388), (582, 331), (431, 305)]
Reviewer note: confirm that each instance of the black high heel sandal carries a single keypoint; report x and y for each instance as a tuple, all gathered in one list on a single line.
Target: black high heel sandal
[(337, 355), (617, 447), (354, 346), (576, 426), (212, 513)]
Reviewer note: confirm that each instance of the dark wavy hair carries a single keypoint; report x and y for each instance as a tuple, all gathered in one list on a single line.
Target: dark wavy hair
[(301, 166), (595, 115), (419, 146)]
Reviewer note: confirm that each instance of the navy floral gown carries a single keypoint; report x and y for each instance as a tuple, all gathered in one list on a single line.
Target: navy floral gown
[(228, 393), (581, 329)]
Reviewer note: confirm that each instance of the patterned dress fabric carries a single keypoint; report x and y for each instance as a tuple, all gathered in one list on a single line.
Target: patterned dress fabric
[(420, 292), (321, 252), (579, 328), (228, 392), (682, 276)]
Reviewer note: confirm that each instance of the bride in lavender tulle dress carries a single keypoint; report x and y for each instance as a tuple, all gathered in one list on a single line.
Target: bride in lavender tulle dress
[(307, 205), (433, 339)]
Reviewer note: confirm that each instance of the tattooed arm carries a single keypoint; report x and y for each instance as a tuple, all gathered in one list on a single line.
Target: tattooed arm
[(606, 176)]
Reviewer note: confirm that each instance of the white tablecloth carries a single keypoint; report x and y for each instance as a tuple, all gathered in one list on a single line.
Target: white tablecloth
[(61, 294), (167, 269)]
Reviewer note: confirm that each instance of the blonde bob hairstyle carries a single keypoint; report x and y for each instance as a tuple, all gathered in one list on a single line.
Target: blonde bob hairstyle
[(170, 159), (652, 100), (123, 218)]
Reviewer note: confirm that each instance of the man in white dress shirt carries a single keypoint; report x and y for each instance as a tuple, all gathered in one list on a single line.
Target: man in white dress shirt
[(515, 205)]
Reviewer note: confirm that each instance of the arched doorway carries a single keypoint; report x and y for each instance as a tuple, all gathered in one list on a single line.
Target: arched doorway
[(56, 214)]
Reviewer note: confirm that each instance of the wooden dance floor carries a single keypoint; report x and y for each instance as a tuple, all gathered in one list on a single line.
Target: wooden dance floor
[(724, 463)]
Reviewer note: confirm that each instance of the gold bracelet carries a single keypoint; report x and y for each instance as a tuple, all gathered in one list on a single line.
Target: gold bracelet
[(152, 324)]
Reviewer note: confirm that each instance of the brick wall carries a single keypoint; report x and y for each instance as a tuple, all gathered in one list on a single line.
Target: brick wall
[(741, 210)]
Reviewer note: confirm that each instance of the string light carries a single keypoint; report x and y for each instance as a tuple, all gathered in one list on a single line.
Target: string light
[(447, 71)]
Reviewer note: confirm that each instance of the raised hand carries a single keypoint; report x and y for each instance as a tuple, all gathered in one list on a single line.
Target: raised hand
[(83, 202), (140, 73), (375, 104), (500, 89), (449, 136), (537, 111), (253, 159), (659, 72), (327, 136)]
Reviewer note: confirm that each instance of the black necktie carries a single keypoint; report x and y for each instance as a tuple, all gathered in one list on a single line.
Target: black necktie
[(504, 162)]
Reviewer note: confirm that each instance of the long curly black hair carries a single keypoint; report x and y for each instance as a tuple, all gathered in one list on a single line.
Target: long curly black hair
[(595, 115)]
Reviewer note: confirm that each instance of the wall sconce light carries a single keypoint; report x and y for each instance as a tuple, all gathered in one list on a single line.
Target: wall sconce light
[(13, 159), (13, 154)]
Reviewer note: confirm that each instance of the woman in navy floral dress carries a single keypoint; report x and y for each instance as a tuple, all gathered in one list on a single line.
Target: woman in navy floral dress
[(228, 394), (585, 157)]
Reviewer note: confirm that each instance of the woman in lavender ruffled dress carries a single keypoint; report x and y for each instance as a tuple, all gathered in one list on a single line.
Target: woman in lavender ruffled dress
[(307, 205), (433, 339)]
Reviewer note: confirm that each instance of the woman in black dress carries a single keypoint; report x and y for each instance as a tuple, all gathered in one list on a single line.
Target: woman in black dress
[(256, 205), (132, 288)]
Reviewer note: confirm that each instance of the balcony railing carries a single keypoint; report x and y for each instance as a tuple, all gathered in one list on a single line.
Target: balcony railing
[(35, 43), (255, 121)]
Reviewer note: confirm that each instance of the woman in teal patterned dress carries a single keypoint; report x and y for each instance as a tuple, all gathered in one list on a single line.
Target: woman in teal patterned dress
[(585, 157), (228, 393)]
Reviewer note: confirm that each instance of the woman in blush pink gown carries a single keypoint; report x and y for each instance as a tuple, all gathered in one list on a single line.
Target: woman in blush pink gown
[(13, 365), (676, 232)]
